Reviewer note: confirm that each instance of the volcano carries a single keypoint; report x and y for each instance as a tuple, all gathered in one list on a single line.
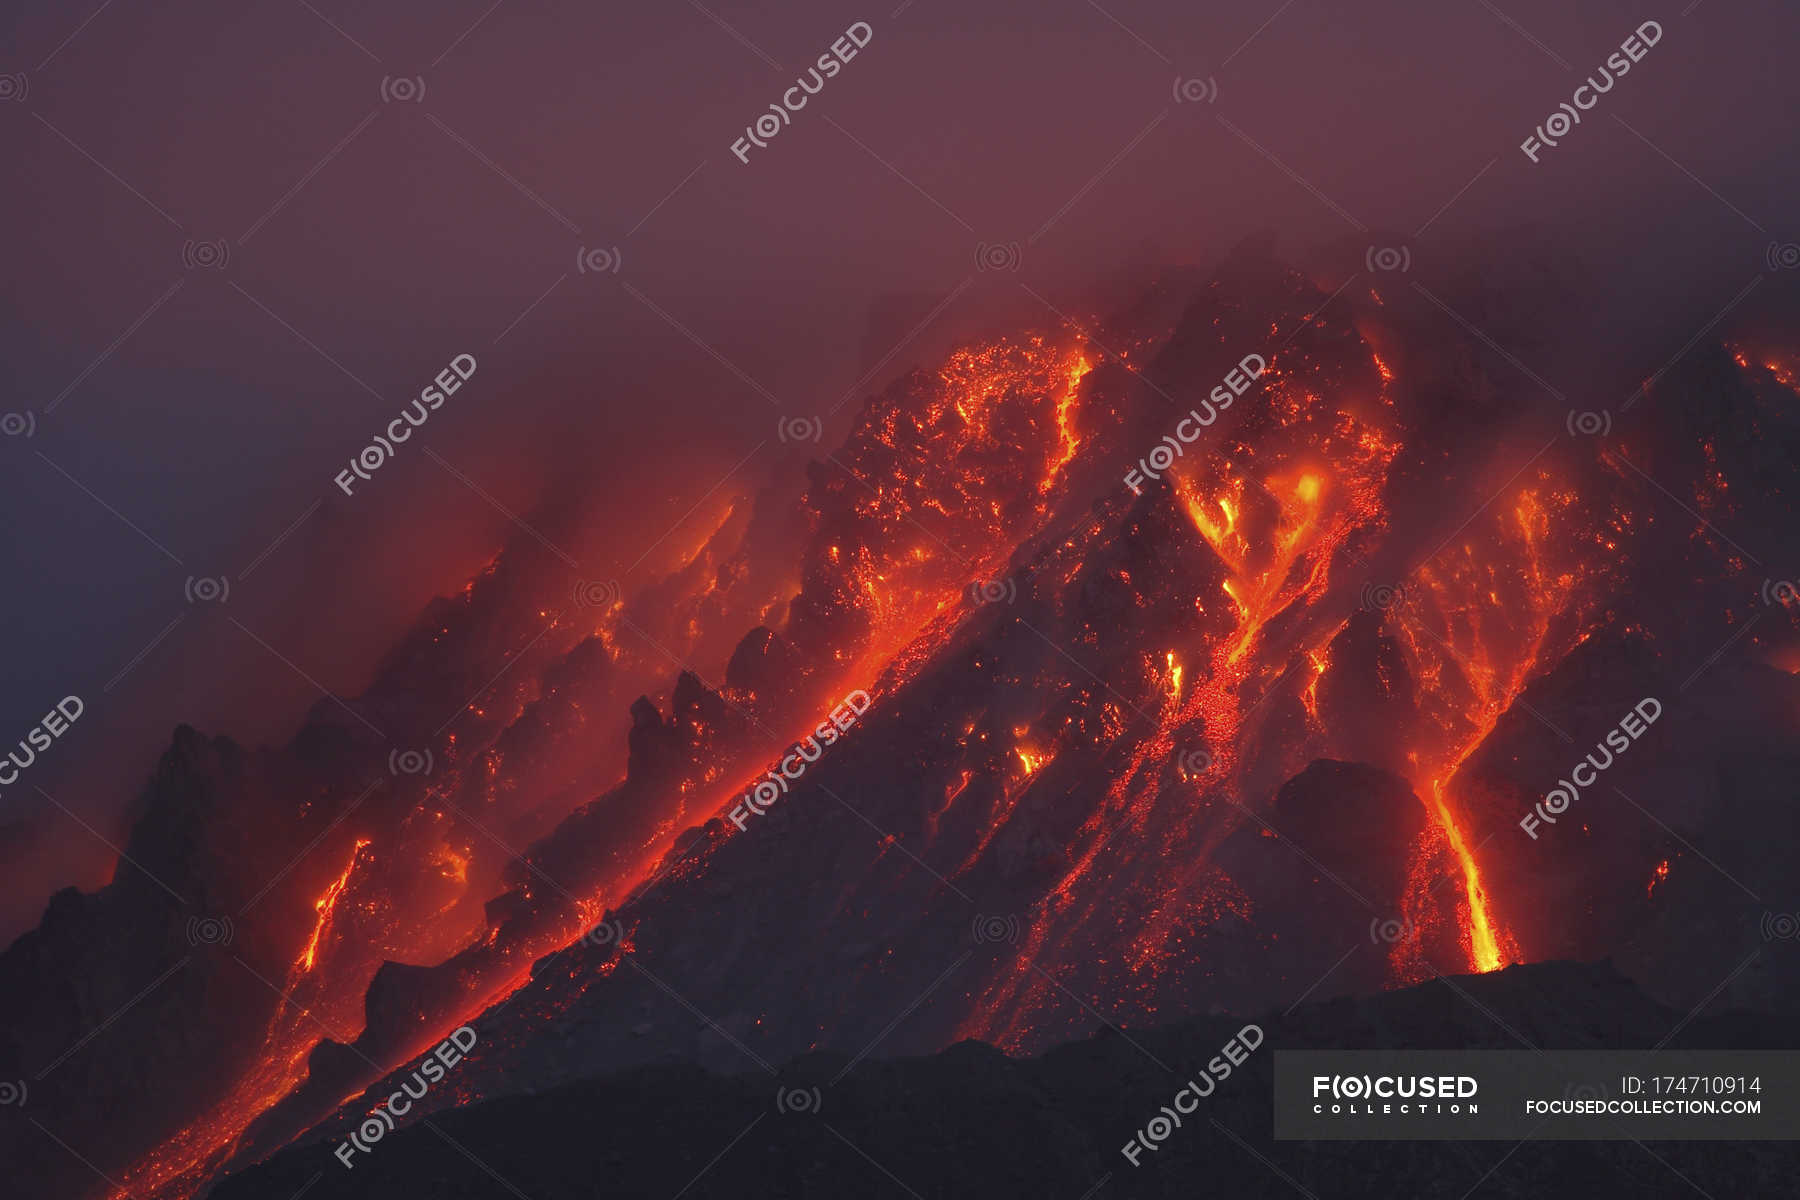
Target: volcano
[(1260, 723)]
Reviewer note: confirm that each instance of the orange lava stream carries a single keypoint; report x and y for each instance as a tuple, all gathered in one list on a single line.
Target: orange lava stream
[(326, 904), (1065, 419), (1261, 591), (1277, 556), (1480, 628), (1276, 540), (1484, 940), (1320, 661), (174, 1166), (1269, 572)]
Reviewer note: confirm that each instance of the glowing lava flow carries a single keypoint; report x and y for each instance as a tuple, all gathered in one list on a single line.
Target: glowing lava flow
[(326, 905), (179, 1165), (1476, 629), (938, 483), (1065, 419), (1277, 564), (1276, 529), (1484, 941), (1320, 662), (1260, 591)]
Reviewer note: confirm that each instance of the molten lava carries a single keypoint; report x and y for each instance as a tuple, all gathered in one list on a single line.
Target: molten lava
[(1483, 939), (1274, 520), (326, 904), (1479, 623), (949, 480), (1065, 420)]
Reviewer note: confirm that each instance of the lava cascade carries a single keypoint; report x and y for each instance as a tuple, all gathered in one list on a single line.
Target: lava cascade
[(945, 479)]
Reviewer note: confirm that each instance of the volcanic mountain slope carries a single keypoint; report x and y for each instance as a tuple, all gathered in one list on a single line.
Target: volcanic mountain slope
[(1088, 799), (1083, 792), (931, 433), (263, 890), (970, 1121)]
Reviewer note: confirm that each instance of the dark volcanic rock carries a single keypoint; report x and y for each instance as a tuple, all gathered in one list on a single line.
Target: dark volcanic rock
[(1337, 833), (972, 1122)]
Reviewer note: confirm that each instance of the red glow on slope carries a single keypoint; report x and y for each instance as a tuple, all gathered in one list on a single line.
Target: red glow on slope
[(946, 487), (1484, 939), (1065, 419), (1479, 624), (326, 904), (1275, 533)]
